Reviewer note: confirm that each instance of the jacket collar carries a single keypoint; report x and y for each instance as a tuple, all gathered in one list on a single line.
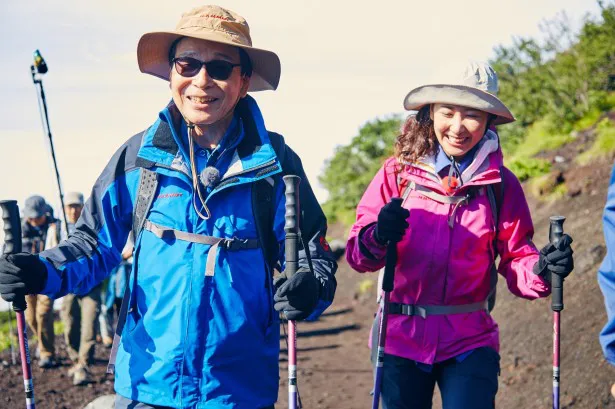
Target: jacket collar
[(483, 169), (160, 144)]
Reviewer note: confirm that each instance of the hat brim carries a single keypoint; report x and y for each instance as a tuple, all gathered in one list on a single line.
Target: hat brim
[(32, 214), (459, 95), (73, 202), (153, 57)]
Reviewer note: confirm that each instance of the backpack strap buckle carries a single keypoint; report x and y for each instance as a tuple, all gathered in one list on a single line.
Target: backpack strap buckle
[(237, 243)]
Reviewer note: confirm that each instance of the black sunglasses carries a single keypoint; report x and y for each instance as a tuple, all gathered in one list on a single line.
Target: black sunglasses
[(216, 69)]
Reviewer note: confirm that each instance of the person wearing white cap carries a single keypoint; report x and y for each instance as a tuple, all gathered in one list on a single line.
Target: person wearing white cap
[(461, 208), (201, 190)]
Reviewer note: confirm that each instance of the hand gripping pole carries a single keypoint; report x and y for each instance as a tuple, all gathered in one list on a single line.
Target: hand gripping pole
[(12, 242), (556, 231), (291, 251), (387, 287)]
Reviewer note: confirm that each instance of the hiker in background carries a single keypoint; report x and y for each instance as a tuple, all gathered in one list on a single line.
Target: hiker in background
[(202, 191), (37, 225), (113, 291), (460, 208), (606, 276), (79, 313)]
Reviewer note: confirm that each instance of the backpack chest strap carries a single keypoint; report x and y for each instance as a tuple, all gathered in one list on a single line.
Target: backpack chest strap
[(440, 198), (233, 244)]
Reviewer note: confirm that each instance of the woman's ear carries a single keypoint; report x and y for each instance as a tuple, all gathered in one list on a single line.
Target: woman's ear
[(431, 112)]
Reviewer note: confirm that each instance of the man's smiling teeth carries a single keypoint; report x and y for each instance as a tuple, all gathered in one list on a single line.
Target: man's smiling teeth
[(202, 100)]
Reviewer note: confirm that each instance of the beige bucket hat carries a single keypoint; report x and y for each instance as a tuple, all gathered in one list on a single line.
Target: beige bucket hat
[(211, 23), (477, 88)]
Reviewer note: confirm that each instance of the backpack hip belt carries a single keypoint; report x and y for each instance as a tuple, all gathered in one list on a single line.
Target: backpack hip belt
[(423, 311)]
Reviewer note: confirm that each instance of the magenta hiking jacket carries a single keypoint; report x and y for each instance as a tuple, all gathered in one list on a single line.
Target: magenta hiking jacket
[(446, 255)]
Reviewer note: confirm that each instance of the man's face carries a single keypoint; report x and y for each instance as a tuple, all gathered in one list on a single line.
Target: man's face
[(37, 221), (201, 99), (73, 212)]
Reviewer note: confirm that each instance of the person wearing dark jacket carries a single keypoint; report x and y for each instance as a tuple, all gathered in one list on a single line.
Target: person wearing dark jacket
[(201, 329), (38, 225)]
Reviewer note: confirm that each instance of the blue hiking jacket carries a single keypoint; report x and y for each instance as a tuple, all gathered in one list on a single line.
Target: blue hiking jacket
[(606, 274), (192, 341)]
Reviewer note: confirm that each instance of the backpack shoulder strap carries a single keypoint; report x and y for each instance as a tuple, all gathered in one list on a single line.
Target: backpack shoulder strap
[(495, 193), (148, 183), (263, 193)]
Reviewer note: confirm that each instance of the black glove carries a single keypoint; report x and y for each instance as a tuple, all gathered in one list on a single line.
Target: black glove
[(21, 274), (555, 258), (391, 224), (297, 297)]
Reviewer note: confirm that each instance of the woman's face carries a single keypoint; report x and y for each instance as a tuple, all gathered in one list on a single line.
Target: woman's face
[(458, 128), (201, 99)]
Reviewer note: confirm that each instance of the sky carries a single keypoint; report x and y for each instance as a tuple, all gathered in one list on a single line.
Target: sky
[(343, 63)]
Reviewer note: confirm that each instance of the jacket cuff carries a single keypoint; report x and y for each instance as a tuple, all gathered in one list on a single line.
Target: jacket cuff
[(368, 245), (53, 283), (539, 283)]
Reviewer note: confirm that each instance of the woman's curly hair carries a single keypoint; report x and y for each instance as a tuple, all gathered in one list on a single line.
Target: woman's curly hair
[(417, 138)]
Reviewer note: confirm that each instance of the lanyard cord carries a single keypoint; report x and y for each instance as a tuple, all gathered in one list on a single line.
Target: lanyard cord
[(195, 180), (454, 168)]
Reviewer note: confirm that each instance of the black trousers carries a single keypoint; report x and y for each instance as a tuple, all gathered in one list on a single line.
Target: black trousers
[(469, 384)]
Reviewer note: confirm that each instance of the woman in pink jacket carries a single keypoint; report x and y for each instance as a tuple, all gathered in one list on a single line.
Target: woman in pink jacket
[(461, 208)]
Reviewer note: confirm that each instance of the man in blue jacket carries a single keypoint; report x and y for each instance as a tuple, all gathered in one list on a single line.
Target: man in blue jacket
[(606, 276), (200, 190)]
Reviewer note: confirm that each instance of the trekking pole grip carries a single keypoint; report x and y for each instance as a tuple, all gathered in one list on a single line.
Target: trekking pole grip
[(12, 236), (291, 223), (391, 257), (556, 231)]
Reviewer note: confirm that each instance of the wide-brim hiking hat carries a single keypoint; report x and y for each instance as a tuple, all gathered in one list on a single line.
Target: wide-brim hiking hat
[(215, 24), (477, 88)]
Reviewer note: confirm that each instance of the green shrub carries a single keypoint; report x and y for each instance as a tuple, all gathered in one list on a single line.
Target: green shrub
[(542, 135), (5, 341), (603, 146), (526, 168), (588, 119)]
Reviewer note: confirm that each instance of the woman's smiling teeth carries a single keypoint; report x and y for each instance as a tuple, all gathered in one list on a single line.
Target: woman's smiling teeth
[(202, 100), (457, 139)]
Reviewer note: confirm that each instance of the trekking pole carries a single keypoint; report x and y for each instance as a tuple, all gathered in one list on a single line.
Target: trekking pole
[(40, 67), (13, 358), (387, 288), (12, 241), (292, 229), (556, 231)]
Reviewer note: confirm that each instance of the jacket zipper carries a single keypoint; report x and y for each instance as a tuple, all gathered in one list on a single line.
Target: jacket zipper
[(448, 257), (234, 175), (262, 165)]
